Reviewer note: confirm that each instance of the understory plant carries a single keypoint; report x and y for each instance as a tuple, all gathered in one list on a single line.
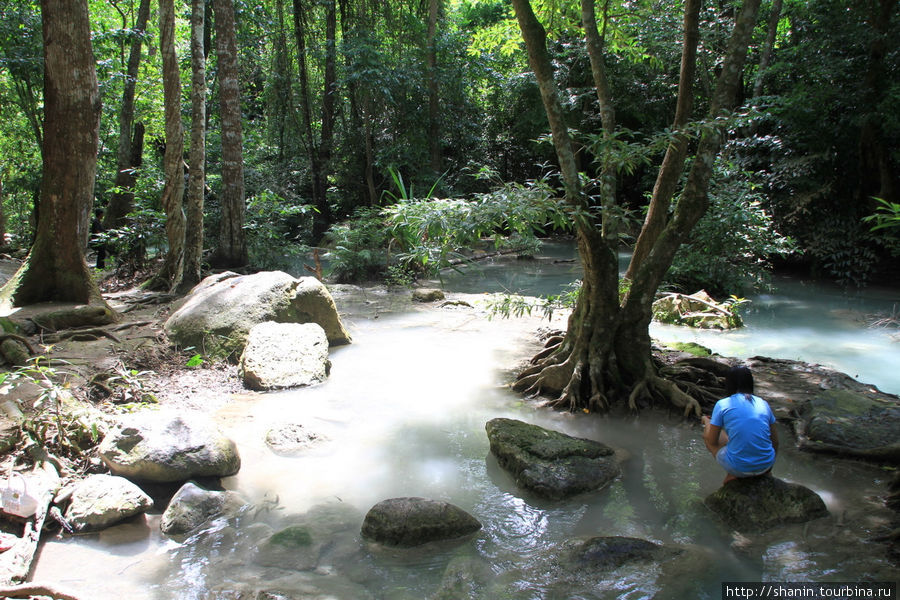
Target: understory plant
[(272, 225), (730, 248)]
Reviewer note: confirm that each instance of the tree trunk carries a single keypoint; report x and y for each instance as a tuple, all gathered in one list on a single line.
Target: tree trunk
[(605, 354), (676, 153), (193, 239), (128, 157), (768, 48), (232, 250), (55, 269), (434, 139), (172, 199)]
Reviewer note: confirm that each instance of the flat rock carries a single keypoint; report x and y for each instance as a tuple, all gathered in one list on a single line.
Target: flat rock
[(168, 446), (217, 315), (414, 521), (427, 295), (549, 463), (852, 424), (99, 501), (755, 504), (284, 355), (292, 439)]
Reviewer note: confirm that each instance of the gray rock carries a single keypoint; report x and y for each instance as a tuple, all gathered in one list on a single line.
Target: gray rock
[(284, 355), (219, 312), (464, 577), (292, 439), (852, 424), (755, 504), (168, 446), (414, 521), (103, 500), (427, 295), (549, 463), (192, 506)]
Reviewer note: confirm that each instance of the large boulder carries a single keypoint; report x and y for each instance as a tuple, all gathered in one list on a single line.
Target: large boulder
[(410, 522), (283, 355), (696, 310), (852, 424), (754, 504), (192, 506), (549, 463), (168, 446), (219, 312), (103, 500)]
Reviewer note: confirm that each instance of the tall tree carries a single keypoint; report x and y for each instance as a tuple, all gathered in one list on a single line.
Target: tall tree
[(172, 199), (131, 134), (605, 354), (193, 240), (55, 269), (434, 139), (232, 248)]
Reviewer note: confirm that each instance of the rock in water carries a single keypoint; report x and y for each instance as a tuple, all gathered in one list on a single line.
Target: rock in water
[(850, 423), (427, 295), (414, 521), (168, 446), (754, 504), (103, 500), (219, 312), (284, 355), (549, 463), (192, 506)]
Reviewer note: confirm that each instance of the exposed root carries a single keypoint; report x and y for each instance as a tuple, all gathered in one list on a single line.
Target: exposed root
[(81, 335), (675, 395), (32, 590)]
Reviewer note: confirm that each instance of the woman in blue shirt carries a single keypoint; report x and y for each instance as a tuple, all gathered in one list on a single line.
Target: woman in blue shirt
[(741, 432)]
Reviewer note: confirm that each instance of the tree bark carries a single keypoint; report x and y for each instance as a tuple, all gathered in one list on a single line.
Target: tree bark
[(172, 199), (768, 49), (232, 250), (128, 155), (55, 269), (193, 239)]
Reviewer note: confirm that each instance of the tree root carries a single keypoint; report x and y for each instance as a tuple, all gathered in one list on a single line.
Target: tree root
[(81, 335), (31, 590)]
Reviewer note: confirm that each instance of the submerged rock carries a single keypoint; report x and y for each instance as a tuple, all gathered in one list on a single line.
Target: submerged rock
[(220, 311), (549, 463), (103, 500), (291, 439), (192, 506), (168, 446), (755, 504), (283, 355), (851, 423), (414, 521)]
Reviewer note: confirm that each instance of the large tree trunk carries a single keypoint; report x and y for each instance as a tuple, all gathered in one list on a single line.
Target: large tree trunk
[(55, 269), (130, 150), (605, 354), (172, 199), (193, 239), (232, 250), (768, 49)]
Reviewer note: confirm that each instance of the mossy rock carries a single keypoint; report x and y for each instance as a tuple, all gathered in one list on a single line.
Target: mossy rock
[(692, 348), (755, 504), (850, 423), (296, 536)]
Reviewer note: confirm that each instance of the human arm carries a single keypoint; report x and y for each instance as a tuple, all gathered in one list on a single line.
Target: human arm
[(711, 435), (773, 435)]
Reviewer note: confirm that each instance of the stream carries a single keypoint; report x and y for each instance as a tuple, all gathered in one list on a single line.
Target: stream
[(403, 414)]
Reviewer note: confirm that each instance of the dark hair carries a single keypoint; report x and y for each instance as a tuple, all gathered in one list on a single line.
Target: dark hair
[(739, 380)]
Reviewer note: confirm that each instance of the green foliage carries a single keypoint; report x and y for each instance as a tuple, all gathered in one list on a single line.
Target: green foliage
[(359, 247), (513, 305), (730, 247), (886, 220), (270, 223)]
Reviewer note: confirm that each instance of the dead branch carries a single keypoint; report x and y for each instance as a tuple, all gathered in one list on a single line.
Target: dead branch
[(30, 590)]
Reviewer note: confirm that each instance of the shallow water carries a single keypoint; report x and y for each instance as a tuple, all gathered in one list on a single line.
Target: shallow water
[(404, 412)]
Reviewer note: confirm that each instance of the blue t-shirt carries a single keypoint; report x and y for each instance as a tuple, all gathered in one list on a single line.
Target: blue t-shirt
[(747, 424)]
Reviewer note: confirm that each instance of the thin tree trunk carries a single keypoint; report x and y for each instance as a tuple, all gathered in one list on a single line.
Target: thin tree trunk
[(768, 49), (172, 199), (55, 269), (193, 240), (232, 251), (676, 153), (434, 139), (128, 156)]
